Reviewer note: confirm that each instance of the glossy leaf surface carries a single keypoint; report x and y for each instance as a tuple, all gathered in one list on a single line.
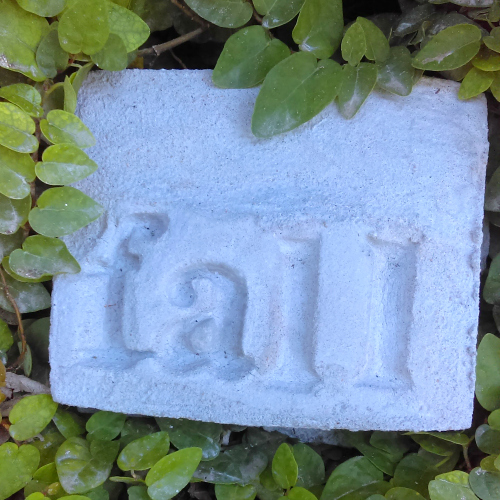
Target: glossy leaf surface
[(17, 170), (223, 13), (29, 297), (24, 96), (16, 129), (357, 84), (31, 415), (284, 467), (488, 372), (62, 127), (277, 12), (144, 452), (17, 466)]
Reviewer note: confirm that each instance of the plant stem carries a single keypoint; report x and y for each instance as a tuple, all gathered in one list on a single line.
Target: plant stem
[(162, 47)]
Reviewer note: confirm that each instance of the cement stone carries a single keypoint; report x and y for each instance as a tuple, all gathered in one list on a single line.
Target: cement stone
[(325, 278)]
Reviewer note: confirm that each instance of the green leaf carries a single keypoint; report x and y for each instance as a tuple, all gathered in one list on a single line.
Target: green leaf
[(13, 213), (16, 129), (300, 493), (488, 367), (485, 484), (294, 91), (223, 13), (79, 76), (105, 425), (132, 30), (41, 257), (319, 27), (144, 452), (6, 339), (488, 439), (135, 428), (487, 60), (241, 464), (157, 15), (354, 44), (113, 56), (493, 40), (30, 416), (234, 492), (396, 75), (43, 8), (434, 445), (451, 437), (69, 96), (451, 485), (351, 476), (377, 45), (493, 418), (63, 210), (84, 26), (357, 84), (247, 57), (192, 434), (414, 472), (64, 164), (17, 466), (399, 493), (277, 12), (9, 242), (138, 493), (311, 468), (475, 82), (29, 297), (68, 424), (284, 467), (19, 37), (50, 57), (62, 127), (391, 442), (450, 48), (491, 290), (172, 473), (24, 96), (17, 170), (83, 465), (52, 439)]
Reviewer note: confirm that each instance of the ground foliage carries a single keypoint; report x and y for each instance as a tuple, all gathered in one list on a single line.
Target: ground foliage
[(307, 54)]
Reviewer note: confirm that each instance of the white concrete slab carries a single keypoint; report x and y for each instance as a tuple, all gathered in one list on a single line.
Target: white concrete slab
[(325, 278)]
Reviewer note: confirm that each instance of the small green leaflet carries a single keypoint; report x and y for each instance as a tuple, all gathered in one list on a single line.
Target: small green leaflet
[(16, 129), (105, 425), (488, 372), (13, 213), (453, 484), (29, 297), (17, 170), (354, 44), (50, 57), (17, 465), (396, 75), (143, 453), (113, 56), (25, 96), (284, 467), (475, 82), (277, 12), (30, 416), (223, 13), (357, 84), (128, 26), (62, 127), (43, 8)]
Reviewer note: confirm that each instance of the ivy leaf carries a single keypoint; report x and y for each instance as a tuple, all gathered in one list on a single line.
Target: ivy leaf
[(157, 15), (84, 26), (17, 466), (435, 445), (113, 56), (294, 91), (247, 57), (487, 60), (63, 210), (351, 476), (399, 493), (6, 339), (488, 372), (138, 493), (234, 492), (128, 26), (17, 170), (29, 297), (42, 257), (43, 8), (68, 424), (488, 439), (299, 493), (277, 12), (192, 434), (475, 82), (377, 45), (223, 13), (13, 213), (493, 40), (83, 465), (485, 484), (16, 129), (491, 290), (450, 48), (319, 27), (135, 428), (62, 127), (396, 75), (357, 84), (69, 96), (354, 44), (311, 468), (144, 452), (453, 484), (63, 164), (414, 472), (172, 473), (30, 416), (284, 467), (50, 57), (20, 35), (9, 242), (79, 76), (24, 96), (105, 425)]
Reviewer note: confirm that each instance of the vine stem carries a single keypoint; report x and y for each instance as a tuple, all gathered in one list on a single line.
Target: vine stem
[(20, 328), (162, 47)]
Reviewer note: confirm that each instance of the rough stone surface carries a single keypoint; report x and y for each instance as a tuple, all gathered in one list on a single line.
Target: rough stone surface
[(325, 278)]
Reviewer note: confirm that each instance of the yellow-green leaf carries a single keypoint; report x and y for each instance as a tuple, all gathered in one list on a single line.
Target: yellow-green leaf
[(475, 82), (16, 129), (62, 127), (43, 8), (128, 26), (17, 465), (223, 13), (13, 213), (25, 96), (50, 57), (487, 60), (17, 170), (377, 45), (113, 56), (354, 44), (31, 415)]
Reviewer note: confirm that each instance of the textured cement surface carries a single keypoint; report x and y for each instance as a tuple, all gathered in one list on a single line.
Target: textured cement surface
[(325, 278)]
